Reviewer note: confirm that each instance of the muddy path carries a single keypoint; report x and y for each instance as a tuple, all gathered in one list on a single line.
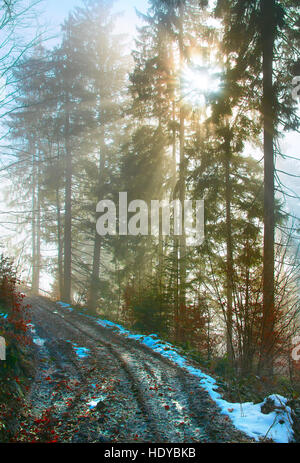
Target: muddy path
[(102, 387)]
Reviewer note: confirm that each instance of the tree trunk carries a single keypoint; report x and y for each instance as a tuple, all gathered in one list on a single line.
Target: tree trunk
[(160, 254), (175, 238), (38, 229), (34, 287), (59, 245), (94, 283), (36, 224), (182, 238), (182, 190), (68, 214), (229, 256), (247, 349), (268, 37)]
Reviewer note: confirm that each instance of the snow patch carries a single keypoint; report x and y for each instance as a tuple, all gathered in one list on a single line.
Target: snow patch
[(65, 306), (93, 403), (81, 352)]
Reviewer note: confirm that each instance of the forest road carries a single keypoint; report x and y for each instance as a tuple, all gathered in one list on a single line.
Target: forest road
[(103, 387)]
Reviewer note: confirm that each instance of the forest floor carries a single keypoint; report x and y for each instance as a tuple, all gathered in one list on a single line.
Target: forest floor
[(93, 385)]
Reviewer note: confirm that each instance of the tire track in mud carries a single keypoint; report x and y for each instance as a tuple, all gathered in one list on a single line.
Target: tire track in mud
[(196, 409), (156, 415), (173, 406), (132, 382)]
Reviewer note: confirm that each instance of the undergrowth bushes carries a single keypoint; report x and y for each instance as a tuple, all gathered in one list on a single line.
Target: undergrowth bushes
[(15, 370)]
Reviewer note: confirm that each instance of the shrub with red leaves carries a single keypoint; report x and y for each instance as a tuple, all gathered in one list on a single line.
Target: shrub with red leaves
[(13, 327), (14, 324)]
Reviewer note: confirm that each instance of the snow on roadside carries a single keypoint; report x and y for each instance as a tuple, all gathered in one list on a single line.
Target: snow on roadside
[(247, 416), (81, 352), (65, 306)]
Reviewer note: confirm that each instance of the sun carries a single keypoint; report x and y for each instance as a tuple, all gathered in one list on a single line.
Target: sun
[(198, 82)]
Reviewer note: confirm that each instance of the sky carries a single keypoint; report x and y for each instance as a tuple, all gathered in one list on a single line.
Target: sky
[(53, 12)]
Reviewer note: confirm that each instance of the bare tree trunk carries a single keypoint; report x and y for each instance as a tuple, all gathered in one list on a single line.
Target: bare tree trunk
[(160, 239), (229, 253), (68, 214), (94, 284), (38, 228), (34, 287), (36, 224), (248, 341), (182, 238), (160, 253), (94, 287), (182, 188), (175, 238), (268, 37), (59, 245)]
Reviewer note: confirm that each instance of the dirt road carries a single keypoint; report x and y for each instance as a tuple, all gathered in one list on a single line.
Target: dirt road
[(103, 387)]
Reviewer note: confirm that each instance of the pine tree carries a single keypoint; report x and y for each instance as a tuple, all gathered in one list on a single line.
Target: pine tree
[(250, 33)]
